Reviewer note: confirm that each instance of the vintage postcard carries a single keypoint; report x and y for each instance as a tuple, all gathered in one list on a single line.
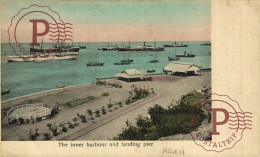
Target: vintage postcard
[(130, 78)]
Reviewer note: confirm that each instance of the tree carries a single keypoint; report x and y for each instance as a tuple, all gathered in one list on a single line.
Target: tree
[(33, 137), (54, 132), (36, 132), (83, 118), (75, 120), (47, 136), (131, 133), (64, 129), (165, 122), (90, 112), (71, 125), (110, 106), (104, 111), (97, 113)]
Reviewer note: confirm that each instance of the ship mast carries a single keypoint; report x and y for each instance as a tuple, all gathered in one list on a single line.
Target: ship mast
[(42, 43), (154, 43), (129, 42)]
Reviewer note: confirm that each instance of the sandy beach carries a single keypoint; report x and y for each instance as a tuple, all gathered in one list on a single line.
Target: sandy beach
[(168, 87)]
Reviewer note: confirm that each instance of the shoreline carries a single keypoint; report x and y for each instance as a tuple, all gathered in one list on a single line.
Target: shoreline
[(44, 92), (74, 86)]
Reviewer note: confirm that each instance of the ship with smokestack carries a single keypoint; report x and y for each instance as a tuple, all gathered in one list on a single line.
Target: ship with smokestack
[(175, 44), (142, 48), (58, 52)]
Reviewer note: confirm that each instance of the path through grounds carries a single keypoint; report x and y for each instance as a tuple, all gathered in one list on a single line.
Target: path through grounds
[(109, 119)]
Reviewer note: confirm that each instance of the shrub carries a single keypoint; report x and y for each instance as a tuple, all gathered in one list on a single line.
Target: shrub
[(77, 102), (90, 112), (165, 122), (83, 118), (54, 132), (71, 125), (69, 104), (105, 94), (97, 113), (109, 105), (75, 120), (120, 104), (49, 126), (104, 111), (21, 139), (47, 136), (64, 129), (116, 108), (101, 82), (33, 137), (128, 101)]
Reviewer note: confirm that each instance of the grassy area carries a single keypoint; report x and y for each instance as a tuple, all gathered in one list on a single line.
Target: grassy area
[(165, 122), (105, 94), (108, 83), (137, 94), (78, 102)]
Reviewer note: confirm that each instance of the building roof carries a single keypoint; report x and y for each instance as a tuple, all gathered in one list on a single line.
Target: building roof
[(29, 110), (181, 67), (130, 73)]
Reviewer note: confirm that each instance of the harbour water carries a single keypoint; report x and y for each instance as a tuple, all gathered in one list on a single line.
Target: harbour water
[(25, 78)]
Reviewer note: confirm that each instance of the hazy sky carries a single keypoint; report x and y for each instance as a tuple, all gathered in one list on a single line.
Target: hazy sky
[(186, 20)]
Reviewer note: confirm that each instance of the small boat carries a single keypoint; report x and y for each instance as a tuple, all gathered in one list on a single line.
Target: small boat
[(6, 92), (108, 48), (205, 44), (82, 47), (179, 45), (174, 58), (96, 63), (186, 55), (127, 60), (150, 71), (154, 60), (168, 45), (122, 63), (60, 86)]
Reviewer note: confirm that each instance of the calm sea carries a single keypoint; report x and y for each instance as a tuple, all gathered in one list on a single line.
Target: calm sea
[(25, 78)]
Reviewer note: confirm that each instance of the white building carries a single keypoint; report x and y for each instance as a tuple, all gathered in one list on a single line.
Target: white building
[(182, 69), (130, 75)]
